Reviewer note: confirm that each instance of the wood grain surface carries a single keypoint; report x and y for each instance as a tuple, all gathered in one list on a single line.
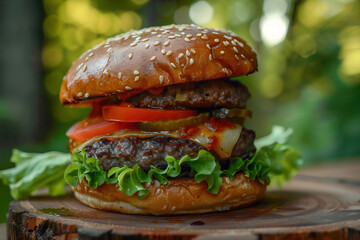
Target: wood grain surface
[(321, 202)]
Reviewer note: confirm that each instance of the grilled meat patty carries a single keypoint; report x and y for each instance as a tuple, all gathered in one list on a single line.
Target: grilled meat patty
[(152, 151), (205, 94)]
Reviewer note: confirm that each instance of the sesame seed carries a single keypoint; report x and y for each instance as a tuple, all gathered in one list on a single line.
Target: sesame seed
[(173, 208), (216, 40), (222, 52), (171, 37), (130, 56), (233, 43), (204, 37), (208, 46), (109, 50), (243, 56), (210, 57), (159, 36), (136, 72), (133, 44), (191, 61), (237, 57), (156, 43), (158, 191), (152, 58), (161, 79), (182, 33), (163, 51), (120, 75), (235, 49), (153, 32), (180, 55), (86, 95), (91, 54), (169, 53), (226, 43), (157, 183), (166, 43), (80, 66), (187, 53), (227, 180), (85, 67), (225, 70), (173, 65), (193, 50), (107, 45), (240, 44), (189, 35), (187, 39), (215, 32), (128, 88), (228, 37), (79, 94), (137, 78), (199, 34), (177, 35), (193, 39)]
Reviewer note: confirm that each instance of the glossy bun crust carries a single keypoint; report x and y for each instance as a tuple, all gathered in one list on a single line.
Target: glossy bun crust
[(155, 57), (179, 196)]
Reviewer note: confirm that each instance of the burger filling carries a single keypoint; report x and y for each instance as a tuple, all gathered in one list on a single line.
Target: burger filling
[(185, 130), (206, 94), (148, 152)]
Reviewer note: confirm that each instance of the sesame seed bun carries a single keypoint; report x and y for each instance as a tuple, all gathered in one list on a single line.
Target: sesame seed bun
[(179, 196), (154, 57)]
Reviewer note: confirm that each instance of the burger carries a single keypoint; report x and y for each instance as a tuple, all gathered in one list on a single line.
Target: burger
[(166, 131)]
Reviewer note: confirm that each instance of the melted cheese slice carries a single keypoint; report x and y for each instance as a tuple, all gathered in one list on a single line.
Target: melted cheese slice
[(226, 139)]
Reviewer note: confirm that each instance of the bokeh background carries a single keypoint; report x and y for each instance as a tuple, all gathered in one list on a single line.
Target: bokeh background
[(308, 79)]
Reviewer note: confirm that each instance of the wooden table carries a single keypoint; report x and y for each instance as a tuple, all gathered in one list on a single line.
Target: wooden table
[(321, 202)]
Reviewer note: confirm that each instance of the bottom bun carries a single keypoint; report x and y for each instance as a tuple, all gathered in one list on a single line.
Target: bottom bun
[(179, 196)]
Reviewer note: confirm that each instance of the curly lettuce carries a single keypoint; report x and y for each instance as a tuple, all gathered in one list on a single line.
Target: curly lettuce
[(273, 162)]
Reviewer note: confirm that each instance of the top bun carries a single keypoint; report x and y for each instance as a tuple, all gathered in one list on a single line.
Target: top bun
[(155, 57)]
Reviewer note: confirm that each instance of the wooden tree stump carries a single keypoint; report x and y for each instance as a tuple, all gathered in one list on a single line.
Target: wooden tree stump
[(310, 207)]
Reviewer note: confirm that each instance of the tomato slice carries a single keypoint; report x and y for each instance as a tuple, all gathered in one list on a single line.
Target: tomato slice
[(95, 126), (126, 114)]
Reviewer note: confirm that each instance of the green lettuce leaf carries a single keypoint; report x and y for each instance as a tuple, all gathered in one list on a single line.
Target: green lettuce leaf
[(285, 160), (130, 180), (33, 171)]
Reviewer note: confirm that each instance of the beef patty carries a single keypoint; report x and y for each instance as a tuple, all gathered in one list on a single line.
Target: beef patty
[(205, 94), (152, 151)]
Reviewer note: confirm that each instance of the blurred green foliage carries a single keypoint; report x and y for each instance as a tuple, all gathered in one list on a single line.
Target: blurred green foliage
[(308, 51)]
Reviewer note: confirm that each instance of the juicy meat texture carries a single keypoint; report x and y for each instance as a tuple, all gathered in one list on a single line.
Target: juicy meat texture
[(205, 94), (152, 151), (143, 151)]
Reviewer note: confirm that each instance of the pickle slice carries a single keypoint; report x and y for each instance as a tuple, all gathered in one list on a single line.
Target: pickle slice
[(173, 125)]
